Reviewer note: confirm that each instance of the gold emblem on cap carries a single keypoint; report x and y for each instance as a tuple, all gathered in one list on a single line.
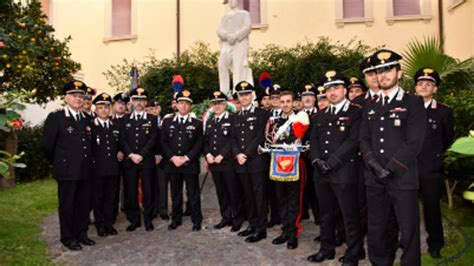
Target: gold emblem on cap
[(77, 83), (428, 71), (217, 94), (330, 74), (105, 96), (140, 91), (308, 87), (354, 80), (244, 84), (186, 93), (384, 56), (321, 89)]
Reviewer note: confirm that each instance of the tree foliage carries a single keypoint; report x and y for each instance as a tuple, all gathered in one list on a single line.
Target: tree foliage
[(33, 59)]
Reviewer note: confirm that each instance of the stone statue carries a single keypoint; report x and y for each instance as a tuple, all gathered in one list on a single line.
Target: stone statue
[(234, 30)]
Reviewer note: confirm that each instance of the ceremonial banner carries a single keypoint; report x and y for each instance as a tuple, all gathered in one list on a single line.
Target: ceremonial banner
[(284, 166)]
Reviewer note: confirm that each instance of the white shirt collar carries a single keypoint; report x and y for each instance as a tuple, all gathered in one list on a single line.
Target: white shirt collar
[(221, 115), (339, 106), (186, 117), (118, 116), (428, 104), (391, 95), (103, 121), (372, 93), (72, 112)]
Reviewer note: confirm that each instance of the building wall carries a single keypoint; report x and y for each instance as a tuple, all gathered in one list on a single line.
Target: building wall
[(459, 28), (286, 22)]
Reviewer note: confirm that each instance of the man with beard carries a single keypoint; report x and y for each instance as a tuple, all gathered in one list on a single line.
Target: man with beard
[(391, 136), (334, 146)]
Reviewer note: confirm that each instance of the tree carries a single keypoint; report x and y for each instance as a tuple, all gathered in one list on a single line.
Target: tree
[(32, 59)]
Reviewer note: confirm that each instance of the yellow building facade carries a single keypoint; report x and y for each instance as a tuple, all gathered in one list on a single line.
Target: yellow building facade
[(106, 31)]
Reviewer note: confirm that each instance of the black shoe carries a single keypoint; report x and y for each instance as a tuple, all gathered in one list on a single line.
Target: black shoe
[(321, 256), (197, 227), (165, 217), (87, 241), (247, 232), (102, 232), (435, 253), (133, 226), (74, 246), (292, 243), (361, 256), (149, 226), (111, 231), (256, 237), (236, 227), (222, 224), (174, 225), (317, 239), (280, 240)]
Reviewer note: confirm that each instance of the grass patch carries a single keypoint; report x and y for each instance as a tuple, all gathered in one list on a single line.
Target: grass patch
[(22, 210), (462, 214)]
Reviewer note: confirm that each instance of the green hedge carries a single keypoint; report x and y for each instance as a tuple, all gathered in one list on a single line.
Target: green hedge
[(38, 167)]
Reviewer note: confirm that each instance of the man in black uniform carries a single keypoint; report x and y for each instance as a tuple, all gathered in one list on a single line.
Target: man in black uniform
[(391, 135), (308, 97), (356, 88), (87, 103), (181, 142), (67, 143), (119, 106), (218, 152), (334, 146), (251, 167), (438, 137), (137, 141), (105, 142), (288, 192)]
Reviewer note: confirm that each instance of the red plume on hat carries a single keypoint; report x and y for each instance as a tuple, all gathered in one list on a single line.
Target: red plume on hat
[(177, 84), (265, 80)]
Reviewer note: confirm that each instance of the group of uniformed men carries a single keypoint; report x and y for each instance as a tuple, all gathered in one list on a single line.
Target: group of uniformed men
[(373, 149)]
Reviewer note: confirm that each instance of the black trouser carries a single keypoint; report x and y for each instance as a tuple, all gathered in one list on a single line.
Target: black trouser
[(431, 189), (192, 193), (288, 194), (255, 193), (309, 195), (104, 192), (161, 192), (381, 203), (131, 177), (119, 194), (228, 195), (74, 204), (273, 201), (329, 196)]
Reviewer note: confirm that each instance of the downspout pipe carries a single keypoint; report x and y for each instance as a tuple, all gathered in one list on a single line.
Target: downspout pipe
[(441, 24), (178, 28)]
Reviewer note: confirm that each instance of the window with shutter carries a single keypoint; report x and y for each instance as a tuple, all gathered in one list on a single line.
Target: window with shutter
[(353, 8), (406, 7), (253, 7), (121, 17)]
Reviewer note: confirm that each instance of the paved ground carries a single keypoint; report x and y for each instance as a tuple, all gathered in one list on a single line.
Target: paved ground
[(182, 246)]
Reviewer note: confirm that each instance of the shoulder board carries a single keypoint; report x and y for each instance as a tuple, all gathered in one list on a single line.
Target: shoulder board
[(356, 105), (168, 116), (443, 104)]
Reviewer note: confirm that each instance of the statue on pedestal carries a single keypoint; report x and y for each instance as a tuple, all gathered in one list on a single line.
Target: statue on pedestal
[(234, 30)]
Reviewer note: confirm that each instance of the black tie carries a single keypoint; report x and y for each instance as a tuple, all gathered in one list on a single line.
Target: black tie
[(139, 117), (333, 110), (217, 120), (385, 100), (105, 125), (78, 117), (181, 120), (375, 97)]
